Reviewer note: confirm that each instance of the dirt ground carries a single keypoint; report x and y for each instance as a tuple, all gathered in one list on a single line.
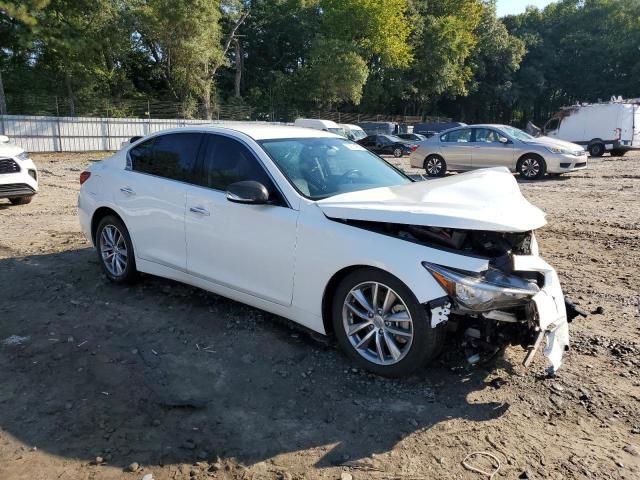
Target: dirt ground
[(189, 385)]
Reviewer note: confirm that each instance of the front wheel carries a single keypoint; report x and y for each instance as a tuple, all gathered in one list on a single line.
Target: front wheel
[(435, 166), (596, 149), (379, 323), (115, 250), (397, 152), (531, 167)]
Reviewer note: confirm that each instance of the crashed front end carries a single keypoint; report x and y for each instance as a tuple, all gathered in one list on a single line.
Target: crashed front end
[(517, 300)]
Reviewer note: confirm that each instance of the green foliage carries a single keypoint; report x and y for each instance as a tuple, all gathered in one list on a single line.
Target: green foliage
[(417, 57)]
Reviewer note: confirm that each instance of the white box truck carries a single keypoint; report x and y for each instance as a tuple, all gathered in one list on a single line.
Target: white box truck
[(600, 127)]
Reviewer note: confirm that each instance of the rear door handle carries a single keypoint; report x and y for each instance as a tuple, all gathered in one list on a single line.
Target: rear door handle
[(127, 190), (200, 211)]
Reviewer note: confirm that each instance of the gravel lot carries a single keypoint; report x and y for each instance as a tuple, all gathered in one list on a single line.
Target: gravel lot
[(189, 385)]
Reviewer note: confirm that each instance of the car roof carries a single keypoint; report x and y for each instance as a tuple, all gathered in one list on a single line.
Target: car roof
[(257, 131), (476, 125)]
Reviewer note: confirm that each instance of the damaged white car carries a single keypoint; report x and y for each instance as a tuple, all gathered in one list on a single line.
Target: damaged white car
[(315, 228)]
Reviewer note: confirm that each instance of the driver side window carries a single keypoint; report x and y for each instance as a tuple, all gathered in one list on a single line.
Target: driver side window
[(225, 161)]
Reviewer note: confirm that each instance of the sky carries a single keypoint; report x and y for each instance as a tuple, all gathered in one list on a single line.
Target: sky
[(511, 7)]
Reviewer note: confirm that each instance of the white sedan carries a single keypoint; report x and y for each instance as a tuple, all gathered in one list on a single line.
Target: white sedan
[(312, 227)]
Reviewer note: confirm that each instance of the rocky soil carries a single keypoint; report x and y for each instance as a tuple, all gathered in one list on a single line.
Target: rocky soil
[(163, 381)]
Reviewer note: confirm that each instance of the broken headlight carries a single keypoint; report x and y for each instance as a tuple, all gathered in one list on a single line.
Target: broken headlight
[(481, 292)]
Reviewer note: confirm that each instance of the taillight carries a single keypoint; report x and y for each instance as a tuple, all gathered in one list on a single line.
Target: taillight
[(84, 176), (414, 148)]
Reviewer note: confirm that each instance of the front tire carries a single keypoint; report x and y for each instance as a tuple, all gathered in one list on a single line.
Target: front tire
[(115, 250), (397, 152), (379, 323), (531, 167), (435, 166), (21, 200)]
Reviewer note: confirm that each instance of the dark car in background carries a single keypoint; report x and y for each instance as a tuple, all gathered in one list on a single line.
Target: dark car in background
[(412, 137), (388, 144), (429, 129)]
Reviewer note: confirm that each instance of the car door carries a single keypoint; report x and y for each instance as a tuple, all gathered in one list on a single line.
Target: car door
[(151, 193), (489, 151), (250, 248), (456, 149)]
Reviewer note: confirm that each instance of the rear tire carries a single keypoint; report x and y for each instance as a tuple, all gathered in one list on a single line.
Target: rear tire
[(531, 167), (21, 200), (435, 166), (397, 152), (391, 335), (115, 250), (618, 153), (596, 149)]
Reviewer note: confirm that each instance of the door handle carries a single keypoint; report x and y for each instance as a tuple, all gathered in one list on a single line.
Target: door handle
[(200, 211), (127, 190)]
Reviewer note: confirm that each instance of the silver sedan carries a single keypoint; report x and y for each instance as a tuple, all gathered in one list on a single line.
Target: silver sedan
[(481, 146)]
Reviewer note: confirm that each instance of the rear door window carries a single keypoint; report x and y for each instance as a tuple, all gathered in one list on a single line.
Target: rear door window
[(171, 156), (457, 136)]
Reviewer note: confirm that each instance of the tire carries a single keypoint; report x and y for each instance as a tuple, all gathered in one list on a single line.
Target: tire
[(397, 152), (596, 149), (405, 346), (435, 166), (618, 153), (117, 267), (21, 200), (531, 167)]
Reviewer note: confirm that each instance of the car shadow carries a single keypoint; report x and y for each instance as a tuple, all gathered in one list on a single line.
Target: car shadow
[(161, 373)]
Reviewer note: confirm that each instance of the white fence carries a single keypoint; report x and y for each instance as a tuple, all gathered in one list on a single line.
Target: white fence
[(81, 134)]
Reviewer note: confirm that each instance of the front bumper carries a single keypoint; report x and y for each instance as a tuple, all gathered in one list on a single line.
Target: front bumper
[(561, 163), (20, 183), (550, 310)]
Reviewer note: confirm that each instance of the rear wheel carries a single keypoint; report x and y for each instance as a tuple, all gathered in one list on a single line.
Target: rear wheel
[(531, 167), (21, 200), (435, 166), (618, 153), (397, 152), (596, 149), (380, 324), (115, 250)]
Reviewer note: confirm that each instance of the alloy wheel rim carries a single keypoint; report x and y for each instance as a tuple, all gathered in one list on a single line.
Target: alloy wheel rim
[(397, 152), (530, 167), (113, 249), (433, 166), (378, 323)]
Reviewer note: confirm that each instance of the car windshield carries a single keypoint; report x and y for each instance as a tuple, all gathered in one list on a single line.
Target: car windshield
[(516, 133), (321, 167), (358, 134), (337, 131)]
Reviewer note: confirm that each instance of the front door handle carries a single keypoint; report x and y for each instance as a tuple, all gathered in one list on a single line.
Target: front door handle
[(127, 190), (200, 211)]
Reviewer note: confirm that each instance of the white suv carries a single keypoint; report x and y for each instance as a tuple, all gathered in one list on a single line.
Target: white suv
[(18, 173)]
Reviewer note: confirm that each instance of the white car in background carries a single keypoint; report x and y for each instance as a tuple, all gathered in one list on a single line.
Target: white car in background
[(18, 173), (313, 227)]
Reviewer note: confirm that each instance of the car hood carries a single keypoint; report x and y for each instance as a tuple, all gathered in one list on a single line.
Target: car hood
[(10, 150), (554, 142), (487, 199)]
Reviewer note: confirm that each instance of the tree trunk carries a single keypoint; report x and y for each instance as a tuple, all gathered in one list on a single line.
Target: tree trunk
[(239, 65), (3, 100), (72, 106)]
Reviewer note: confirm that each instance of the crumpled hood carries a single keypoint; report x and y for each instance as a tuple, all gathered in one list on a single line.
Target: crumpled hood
[(554, 142), (487, 199)]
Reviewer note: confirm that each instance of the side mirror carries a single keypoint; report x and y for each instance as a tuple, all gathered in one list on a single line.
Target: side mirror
[(503, 140), (248, 191)]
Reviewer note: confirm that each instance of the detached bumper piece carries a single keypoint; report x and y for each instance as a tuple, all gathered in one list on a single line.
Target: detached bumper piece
[(15, 190)]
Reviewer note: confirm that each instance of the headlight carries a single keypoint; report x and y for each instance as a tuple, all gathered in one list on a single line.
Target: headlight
[(563, 151), (22, 156), (481, 292)]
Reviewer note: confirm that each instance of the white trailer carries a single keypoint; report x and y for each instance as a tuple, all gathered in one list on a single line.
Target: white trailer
[(613, 126)]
